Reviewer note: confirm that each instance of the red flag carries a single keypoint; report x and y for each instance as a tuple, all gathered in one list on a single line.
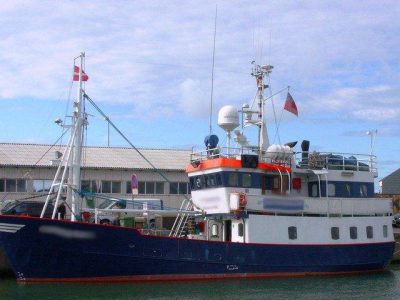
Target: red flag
[(76, 74), (290, 105)]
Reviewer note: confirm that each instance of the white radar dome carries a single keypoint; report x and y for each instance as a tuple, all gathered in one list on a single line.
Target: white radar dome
[(228, 118)]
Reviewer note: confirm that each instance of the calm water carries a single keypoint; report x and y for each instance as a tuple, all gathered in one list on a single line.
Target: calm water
[(372, 286)]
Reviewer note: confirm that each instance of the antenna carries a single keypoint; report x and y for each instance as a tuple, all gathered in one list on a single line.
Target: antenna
[(213, 64)]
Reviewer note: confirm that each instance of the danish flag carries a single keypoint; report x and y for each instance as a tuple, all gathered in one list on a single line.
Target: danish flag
[(76, 74)]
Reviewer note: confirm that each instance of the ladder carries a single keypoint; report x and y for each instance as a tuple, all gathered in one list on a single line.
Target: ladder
[(182, 219)]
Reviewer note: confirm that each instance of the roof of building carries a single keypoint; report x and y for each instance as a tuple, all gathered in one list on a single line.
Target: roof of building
[(31, 155), (395, 174)]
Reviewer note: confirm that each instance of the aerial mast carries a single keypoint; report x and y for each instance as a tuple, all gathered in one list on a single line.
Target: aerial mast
[(259, 73)]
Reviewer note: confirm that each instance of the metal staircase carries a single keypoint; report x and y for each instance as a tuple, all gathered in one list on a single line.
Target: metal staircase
[(183, 220)]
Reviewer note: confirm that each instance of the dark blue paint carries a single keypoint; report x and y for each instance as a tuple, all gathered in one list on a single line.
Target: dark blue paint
[(117, 251)]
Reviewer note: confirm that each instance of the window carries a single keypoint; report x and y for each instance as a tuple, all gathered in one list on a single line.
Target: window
[(11, 185), (370, 232), (385, 231), (159, 187), (179, 187), (183, 188), (1, 185), (353, 233), (88, 186), (173, 187), (363, 190), (106, 186), (21, 186), (218, 179), (116, 187), (142, 187), (246, 180), (331, 190), (40, 186), (240, 229), (128, 187), (85, 186), (214, 230), (335, 233), (14, 185), (292, 231), (314, 190), (150, 189), (347, 189), (209, 180), (233, 179)]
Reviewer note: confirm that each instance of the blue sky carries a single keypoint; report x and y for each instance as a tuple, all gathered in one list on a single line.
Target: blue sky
[(149, 64)]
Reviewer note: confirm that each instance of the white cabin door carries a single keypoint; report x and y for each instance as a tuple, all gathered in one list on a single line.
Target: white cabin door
[(238, 231)]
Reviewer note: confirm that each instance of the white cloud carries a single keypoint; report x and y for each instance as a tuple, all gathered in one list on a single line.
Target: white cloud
[(339, 57)]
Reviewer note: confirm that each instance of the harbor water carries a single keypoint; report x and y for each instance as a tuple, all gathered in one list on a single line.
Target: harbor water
[(382, 285)]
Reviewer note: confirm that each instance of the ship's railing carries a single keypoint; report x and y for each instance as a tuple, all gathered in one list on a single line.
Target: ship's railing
[(279, 158), (305, 160), (336, 161)]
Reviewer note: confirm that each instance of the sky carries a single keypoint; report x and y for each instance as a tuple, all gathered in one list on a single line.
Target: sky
[(150, 64)]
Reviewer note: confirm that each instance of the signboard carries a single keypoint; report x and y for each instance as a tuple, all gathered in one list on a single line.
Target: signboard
[(134, 185)]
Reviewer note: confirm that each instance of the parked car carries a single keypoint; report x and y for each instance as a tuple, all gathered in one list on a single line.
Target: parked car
[(140, 204), (29, 208), (396, 220)]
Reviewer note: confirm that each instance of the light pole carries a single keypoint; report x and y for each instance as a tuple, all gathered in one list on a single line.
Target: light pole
[(372, 134)]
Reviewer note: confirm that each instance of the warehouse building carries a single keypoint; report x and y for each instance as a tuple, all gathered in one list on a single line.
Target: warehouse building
[(27, 170), (390, 185)]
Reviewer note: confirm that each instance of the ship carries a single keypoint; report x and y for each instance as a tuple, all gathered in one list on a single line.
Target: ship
[(255, 211)]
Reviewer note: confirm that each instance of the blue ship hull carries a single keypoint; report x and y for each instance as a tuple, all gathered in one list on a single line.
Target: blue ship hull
[(50, 250)]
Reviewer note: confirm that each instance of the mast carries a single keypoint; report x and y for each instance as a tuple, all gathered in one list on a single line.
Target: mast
[(259, 73), (78, 122), (71, 158)]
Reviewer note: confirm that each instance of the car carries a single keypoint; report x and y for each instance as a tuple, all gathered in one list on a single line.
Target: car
[(396, 220), (28, 208)]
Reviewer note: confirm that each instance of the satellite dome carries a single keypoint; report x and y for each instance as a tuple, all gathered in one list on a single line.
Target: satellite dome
[(228, 118)]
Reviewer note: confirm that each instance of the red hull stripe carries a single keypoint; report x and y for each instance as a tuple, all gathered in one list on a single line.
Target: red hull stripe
[(193, 277), (231, 163)]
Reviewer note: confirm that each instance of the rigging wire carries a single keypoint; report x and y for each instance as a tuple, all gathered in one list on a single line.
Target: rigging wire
[(280, 119), (130, 143)]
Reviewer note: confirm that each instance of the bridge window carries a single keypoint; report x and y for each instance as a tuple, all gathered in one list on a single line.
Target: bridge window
[(370, 232), (292, 231), (347, 190), (210, 180), (331, 190), (233, 179), (353, 232), (335, 233), (363, 190), (314, 190), (246, 180)]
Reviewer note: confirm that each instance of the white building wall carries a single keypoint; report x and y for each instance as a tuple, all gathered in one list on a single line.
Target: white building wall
[(122, 175)]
